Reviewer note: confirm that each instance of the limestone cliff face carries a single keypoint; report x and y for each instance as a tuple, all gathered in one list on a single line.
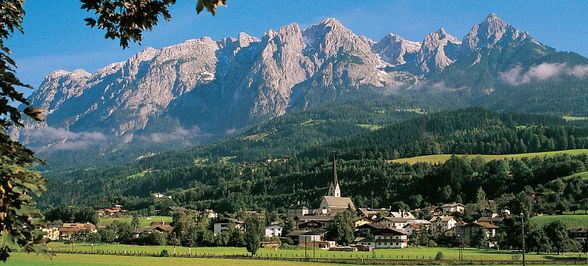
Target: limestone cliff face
[(439, 50)]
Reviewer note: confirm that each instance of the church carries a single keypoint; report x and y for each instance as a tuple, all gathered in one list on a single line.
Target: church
[(333, 203)]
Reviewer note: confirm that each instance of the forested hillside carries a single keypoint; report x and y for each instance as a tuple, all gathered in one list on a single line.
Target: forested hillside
[(209, 178), (466, 131)]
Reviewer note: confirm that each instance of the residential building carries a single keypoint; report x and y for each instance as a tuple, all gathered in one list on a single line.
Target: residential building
[(466, 232), (298, 210), (402, 214), (492, 220), (273, 231), (51, 233), (579, 234), (453, 207), (379, 237), (225, 224), (67, 230), (393, 222), (440, 224)]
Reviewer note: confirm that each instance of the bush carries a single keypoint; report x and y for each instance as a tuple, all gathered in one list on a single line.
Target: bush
[(439, 256), (164, 253)]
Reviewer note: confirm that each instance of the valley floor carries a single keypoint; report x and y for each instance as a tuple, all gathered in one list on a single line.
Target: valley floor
[(412, 253), (21, 259)]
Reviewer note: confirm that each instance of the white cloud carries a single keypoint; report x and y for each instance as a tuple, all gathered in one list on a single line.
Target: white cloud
[(63, 139), (178, 134), (516, 76)]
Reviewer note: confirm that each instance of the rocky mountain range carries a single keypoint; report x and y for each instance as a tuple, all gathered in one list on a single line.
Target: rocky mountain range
[(203, 89)]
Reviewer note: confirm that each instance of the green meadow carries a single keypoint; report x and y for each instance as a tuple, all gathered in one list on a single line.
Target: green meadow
[(21, 259), (413, 253), (441, 158), (578, 220), (144, 221)]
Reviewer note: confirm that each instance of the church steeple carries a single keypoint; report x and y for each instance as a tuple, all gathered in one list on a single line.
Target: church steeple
[(334, 189)]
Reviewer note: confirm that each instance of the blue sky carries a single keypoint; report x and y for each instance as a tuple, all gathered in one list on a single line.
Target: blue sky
[(56, 36)]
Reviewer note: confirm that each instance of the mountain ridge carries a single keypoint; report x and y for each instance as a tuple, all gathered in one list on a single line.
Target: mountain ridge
[(203, 89)]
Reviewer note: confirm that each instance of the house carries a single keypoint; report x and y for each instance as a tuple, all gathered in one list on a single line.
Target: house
[(324, 220), (51, 233), (210, 214), (452, 207), (273, 231), (414, 229), (579, 234), (440, 224), (158, 195), (381, 236), (154, 227), (491, 220), (333, 203), (298, 210), (111, 212), (223, 225), (312, 225), (67, 230), (295, 235), (466, 232), (361, 221), (505, 211), (393, 222), (486, 212), (402, 214), (311, 237)]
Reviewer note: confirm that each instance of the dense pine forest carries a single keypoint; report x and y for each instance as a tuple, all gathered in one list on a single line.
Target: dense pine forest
[(216, 177)]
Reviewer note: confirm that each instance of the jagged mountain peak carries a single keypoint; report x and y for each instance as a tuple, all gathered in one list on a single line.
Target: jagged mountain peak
[(494, 32), (396, 50), (438, 50)]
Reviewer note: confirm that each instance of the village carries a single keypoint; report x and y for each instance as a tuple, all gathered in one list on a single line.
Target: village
[(373, 228)]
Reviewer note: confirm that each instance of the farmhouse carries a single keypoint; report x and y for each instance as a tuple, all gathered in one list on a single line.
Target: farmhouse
[(68, 230)]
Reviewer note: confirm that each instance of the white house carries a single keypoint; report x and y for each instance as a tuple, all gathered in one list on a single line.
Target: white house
[(273, 231)]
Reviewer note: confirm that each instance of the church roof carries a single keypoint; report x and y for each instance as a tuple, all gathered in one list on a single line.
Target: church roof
[(338, 202)]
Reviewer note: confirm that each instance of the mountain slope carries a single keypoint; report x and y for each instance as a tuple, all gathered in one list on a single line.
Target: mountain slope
[(202, 90)]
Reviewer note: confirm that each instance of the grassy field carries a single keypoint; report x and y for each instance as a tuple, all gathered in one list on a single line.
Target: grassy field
[(578, 220), (21, 259), (441, 158), (144, 221), (408, 253), (574, 118), (583, 175)]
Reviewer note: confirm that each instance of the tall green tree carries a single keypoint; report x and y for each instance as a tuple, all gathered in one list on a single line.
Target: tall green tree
[(254, 234), (342, 227), (558, 234)]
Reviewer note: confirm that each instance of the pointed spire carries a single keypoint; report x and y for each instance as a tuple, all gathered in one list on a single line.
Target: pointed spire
[(335, 179)]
